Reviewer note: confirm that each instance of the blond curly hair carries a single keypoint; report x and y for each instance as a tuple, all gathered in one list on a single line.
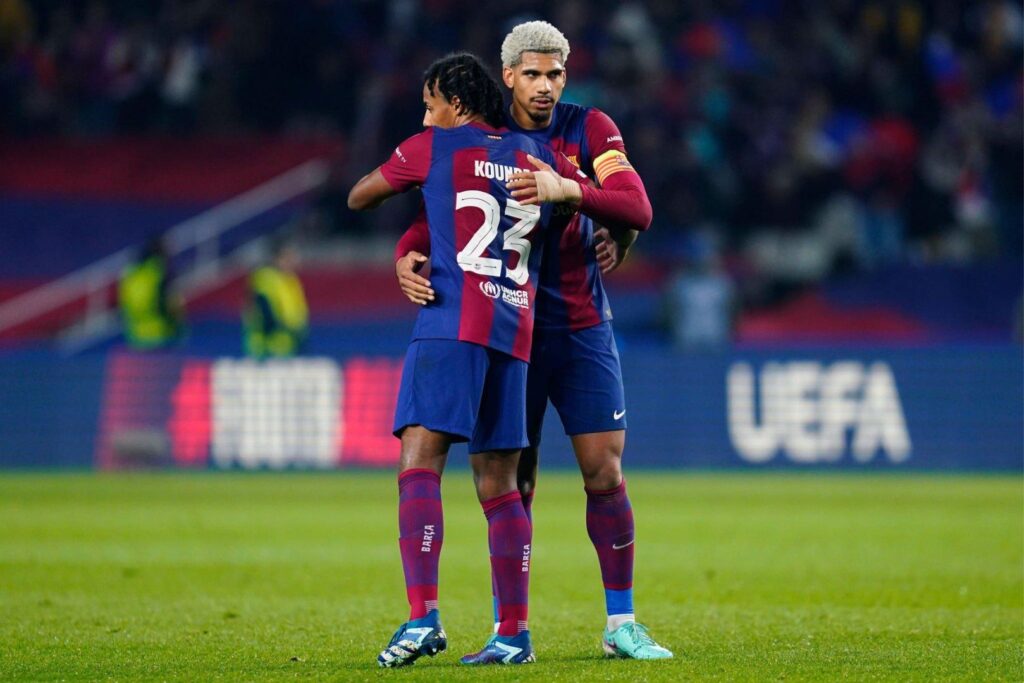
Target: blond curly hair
[(533, 36)]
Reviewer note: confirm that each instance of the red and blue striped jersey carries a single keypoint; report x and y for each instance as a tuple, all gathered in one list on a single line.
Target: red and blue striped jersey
[(485, 247), (570, 292)]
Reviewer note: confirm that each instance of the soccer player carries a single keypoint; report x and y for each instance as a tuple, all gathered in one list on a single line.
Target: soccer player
[(574, 362), (464, 377)]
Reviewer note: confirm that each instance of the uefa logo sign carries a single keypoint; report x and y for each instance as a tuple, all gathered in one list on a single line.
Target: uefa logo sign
[(490, 289)]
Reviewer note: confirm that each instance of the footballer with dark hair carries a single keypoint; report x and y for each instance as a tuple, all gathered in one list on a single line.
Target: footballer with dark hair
[(574, 363), (464, 378)]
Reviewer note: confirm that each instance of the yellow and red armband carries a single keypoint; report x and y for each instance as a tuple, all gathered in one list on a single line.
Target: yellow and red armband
[(611, 162)]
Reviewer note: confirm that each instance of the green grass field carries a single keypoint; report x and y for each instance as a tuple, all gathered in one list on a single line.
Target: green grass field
[(279, 576)]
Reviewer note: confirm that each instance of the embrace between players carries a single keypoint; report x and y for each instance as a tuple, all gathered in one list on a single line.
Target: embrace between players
[(514, 315)]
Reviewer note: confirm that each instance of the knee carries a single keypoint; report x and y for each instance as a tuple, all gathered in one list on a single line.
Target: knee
[(417, 460), (494, 474), (603, 472)]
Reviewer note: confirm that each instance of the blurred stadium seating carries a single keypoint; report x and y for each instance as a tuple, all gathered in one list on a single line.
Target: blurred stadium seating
[(849, 172)]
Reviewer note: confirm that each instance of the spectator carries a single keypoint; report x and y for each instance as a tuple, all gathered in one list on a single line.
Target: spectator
[(701, 302), (276, 318), (152, 316)]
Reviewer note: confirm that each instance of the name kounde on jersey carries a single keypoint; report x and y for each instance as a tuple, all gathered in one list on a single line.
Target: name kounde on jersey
[(485, 246)]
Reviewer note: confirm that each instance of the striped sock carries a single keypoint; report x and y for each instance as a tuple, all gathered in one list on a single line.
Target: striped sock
[(528, 507), (509, 537), (611, 529), (421, 532)]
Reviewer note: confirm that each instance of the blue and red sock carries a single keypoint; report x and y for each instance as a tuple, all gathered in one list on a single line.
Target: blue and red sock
[(509, 536), (528, 508), (421, 532), (611, 530)]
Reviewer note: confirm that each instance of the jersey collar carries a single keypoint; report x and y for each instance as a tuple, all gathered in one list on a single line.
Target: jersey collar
[(543, 132)]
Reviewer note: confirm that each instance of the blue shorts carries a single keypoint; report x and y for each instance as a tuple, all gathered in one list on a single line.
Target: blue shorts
[(471, 392), (580, 372)]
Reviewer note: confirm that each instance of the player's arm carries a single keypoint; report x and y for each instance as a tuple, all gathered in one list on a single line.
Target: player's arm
[(370, 192), (407, 168), (411, 254), (622, 192), (612, 247), (611, 166), (620, 205)]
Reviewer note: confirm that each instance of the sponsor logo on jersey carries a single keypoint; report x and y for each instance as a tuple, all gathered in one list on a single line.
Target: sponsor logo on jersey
[(519, 298), (614, 138), (813, 412), (492, 171), (398, 153)]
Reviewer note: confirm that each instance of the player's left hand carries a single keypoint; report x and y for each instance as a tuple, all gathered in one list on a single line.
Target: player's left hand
[(543, 185), (415, 287), (609, 255)]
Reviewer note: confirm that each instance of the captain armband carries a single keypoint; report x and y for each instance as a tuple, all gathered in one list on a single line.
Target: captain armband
[(611, 162)]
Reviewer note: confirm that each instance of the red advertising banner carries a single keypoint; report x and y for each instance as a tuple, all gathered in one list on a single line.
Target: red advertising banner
[(164, 410)]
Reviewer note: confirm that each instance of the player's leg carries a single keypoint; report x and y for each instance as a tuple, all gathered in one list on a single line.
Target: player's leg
[(420, 516), (526, 478), (591, 402), (431, 414), (494, 448), (609, 518)]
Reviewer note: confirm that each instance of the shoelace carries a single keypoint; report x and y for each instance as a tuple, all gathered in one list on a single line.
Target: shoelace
[(640, 634)]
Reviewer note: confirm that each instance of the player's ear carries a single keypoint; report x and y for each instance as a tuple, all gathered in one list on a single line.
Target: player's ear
[(508, 76), (456, 104)]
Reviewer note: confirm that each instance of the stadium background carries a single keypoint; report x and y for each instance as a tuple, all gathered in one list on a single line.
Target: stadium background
[(833, 276), (832, 287)]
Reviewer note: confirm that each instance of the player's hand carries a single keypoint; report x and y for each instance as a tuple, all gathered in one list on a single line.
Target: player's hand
[(415, 287), (543, 185), (609, 255)]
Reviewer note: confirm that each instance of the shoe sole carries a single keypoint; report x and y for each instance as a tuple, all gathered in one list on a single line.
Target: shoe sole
[(428, 648), (612, 652)]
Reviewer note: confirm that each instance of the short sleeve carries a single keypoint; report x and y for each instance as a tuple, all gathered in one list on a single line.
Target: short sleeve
[(410, 162)]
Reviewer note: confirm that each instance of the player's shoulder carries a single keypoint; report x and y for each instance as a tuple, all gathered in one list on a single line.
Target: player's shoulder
[(415, 144), (570, 110), (569, 117), (597, 119)]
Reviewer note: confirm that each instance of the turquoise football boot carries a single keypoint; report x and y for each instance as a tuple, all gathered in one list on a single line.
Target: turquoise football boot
[(632, 641)]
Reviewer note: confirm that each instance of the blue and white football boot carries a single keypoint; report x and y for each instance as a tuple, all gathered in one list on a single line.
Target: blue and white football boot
[(504, 650), (413, 639)]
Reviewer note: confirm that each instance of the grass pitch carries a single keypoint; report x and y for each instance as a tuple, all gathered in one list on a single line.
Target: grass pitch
[(279, 576)]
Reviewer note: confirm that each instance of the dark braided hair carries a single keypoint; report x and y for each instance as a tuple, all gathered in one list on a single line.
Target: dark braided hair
[(462, 75)]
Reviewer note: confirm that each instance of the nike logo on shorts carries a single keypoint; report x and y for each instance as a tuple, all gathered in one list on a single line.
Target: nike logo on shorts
[(617, 415)]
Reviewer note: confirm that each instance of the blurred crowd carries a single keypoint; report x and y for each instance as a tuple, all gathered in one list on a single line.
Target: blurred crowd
[(797, 138)]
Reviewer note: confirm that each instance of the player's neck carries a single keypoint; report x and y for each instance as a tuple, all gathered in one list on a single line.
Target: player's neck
[(471, 118), (523, 120)]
